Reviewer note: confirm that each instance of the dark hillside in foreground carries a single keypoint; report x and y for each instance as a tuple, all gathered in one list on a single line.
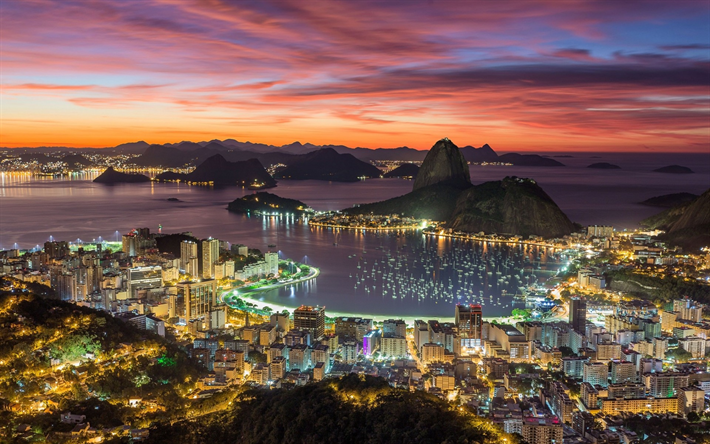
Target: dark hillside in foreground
[(352, 409)]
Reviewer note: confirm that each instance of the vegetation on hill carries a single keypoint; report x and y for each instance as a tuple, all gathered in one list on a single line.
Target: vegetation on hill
[(511, 206), (686, 225), (658, 289), (76, 358), (352, 409), (435, 202), (266, 203)]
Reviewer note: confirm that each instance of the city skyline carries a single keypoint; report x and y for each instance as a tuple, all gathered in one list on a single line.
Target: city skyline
[(530, 76)]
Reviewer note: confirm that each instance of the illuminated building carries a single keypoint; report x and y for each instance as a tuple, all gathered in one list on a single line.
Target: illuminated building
[(188, 250), (595, 373), (578, 314), (622, 371), (371, 342), (691, 399), (311, 319), (542, 430), (469, 321), (198, 298), (210, 256), (649, 404), (432, 352), (665, 384)]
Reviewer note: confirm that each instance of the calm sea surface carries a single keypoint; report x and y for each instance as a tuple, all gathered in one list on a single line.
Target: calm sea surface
[(397, 275)]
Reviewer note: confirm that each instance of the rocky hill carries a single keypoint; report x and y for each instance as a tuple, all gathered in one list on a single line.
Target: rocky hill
[(327, 164), (435, 202), (113, 176), (218, 171), (406, 170), (444, 165), (686, 225), (267, 203), (511, 206)]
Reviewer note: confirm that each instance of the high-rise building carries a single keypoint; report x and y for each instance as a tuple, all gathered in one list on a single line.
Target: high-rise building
[(665, 384), (188, 250), (272, 263), (198, 298), (578, 314), (210, 256), (691, 399), (542, 430), (394, 328), (622, 371), (596, 373), (469, 321), (311, 319)]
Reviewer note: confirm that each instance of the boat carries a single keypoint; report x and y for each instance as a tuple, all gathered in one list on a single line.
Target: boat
[(272, 245)]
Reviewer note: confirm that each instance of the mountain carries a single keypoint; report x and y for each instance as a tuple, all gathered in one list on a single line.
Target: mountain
[(674, 169), (218, 171), (509, 206), (604, 166), (445, 194), (267, 203), (76, 161), (529, 160), (435, 202), (406, 171), (113, 176), (478, 155), (328, 164), (131, 147), (163, 156), (669, 200), (444, 164), (686, 225)]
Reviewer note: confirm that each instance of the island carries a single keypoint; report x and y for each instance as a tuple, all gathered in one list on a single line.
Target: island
[(328, 164), (216, 170), (674, 169), (604, 166), (267, 204), (112, 176)]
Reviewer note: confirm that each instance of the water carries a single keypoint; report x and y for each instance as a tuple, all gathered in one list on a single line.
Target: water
[(32, 209)]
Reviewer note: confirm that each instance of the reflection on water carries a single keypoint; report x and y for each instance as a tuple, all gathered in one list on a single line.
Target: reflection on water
[(33, 209)]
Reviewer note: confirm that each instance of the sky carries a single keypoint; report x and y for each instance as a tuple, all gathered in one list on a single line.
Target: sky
[(551, 75)]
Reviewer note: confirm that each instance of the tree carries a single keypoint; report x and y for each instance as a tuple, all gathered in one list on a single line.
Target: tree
[(693, 417), (567, 352), (679, 354)]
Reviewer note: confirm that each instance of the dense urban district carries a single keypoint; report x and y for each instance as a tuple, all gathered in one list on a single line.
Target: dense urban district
[(155, 339)]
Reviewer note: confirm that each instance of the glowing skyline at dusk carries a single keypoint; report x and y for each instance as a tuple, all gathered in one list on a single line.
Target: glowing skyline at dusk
[(520, 76)]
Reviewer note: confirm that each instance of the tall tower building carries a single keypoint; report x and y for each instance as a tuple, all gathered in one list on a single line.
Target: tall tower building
[(311, 319), (272, 263), (188, 249), (578, 314), (469, 320), (210, 256)]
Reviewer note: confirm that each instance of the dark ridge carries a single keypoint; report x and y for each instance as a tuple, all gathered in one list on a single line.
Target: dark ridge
[(113, 176), (406, 171), (669, 200), (529, 160), (687, 225), (218, 171), (327, 164), (674, 169), (604, 166)]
